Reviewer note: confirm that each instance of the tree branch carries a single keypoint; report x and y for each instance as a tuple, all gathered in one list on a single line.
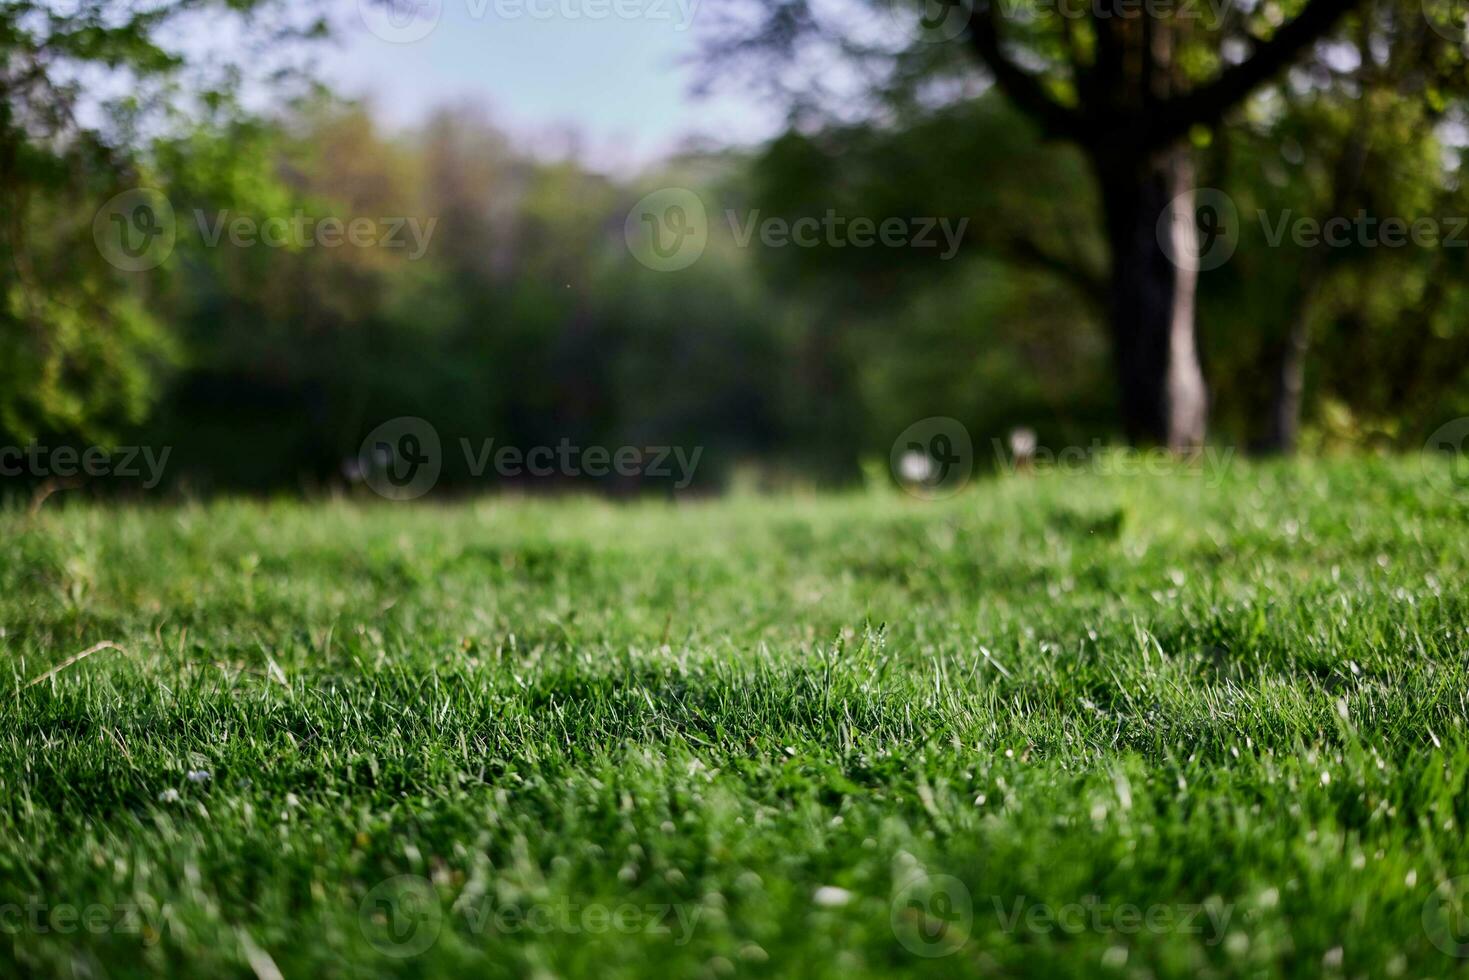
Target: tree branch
[(1021, 87), (1027, 251), (1207, 105)]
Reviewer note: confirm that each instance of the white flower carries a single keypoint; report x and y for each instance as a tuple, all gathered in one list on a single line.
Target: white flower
[(198, 775), (169, 795), (1022, 442), (915, 467), (830, 896)]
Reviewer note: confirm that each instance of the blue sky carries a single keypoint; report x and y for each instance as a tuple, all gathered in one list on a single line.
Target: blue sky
[(543, 68)]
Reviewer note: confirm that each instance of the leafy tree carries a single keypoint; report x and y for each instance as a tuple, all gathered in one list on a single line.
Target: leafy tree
[(1004, 332), (1363, 138), (1129, 84), (80, 349)]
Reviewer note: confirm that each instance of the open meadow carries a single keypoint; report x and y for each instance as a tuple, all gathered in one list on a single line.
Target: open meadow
[(1133, 726)]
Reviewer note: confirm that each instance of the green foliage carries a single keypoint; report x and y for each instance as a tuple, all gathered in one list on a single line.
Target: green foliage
[(518, 315), (82, 348), (1387, 348), (1004, 332), (526, 319)]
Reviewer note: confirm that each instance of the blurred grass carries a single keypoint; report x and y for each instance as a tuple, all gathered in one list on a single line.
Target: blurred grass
[(755, 722)]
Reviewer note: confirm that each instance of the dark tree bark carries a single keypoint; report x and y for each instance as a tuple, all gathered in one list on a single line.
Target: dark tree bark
[(1133, 117), (1151, 297), (1284, 431)]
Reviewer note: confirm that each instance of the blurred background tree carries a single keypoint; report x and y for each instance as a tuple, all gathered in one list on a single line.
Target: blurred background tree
[(81, 351), (1137, 88), (1373, 129), (527, 319)]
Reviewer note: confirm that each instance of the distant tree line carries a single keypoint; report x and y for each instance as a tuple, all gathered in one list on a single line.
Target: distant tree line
[(493, 293)]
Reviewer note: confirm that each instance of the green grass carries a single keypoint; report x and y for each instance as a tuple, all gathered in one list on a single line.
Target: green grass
[(769, 737)]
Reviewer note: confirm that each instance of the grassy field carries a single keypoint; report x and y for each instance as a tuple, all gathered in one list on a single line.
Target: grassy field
[(1055, 726)]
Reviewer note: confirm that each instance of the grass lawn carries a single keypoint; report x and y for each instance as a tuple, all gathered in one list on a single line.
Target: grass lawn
[(1056, 726)]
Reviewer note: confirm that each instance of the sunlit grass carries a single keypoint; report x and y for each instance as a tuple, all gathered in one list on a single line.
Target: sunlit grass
[(746, 737)]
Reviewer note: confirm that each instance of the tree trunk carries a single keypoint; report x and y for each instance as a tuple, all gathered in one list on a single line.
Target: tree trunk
[(1284, 425), (1151, 296), (1290, 385)]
